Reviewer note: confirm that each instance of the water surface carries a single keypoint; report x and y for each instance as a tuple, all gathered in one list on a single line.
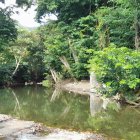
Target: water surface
[(70, 111)]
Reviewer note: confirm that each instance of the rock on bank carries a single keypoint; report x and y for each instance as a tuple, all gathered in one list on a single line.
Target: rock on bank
[(14, 129)]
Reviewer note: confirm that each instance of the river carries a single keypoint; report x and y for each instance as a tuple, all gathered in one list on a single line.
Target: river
[(71, 111)]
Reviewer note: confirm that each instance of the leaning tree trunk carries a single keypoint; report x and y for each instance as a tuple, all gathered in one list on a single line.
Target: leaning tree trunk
[(64, 61), (18, 61), (55, 76)]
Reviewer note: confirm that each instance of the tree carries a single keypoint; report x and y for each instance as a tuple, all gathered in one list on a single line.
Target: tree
[(118, 69), (19, 48), (131, 8), (8, 31), (115, 25), (28, 55), (8, 34), (22, 2), (68, 10), (35, 58)]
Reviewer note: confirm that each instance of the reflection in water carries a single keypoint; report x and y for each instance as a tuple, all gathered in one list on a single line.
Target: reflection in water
[(17, 105), (96, 104), (56, 93), (71, 111)]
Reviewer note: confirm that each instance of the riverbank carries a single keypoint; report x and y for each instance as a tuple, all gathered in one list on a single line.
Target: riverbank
[(11, 128), (80, 87), (83, 87)]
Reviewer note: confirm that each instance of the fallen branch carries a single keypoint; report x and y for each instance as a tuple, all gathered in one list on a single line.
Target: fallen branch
[(133, 103)]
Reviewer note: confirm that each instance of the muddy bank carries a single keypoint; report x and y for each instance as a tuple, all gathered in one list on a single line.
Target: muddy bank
[(14, 129), (80, 87)]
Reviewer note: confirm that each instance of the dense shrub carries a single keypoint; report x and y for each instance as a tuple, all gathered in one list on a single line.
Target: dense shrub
[(5, 74), (117, 68)]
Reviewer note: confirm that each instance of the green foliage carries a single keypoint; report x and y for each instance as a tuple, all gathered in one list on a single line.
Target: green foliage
[(79, 71), (5, 74), (35, 57), (23, 2), (115, 25), (117, 68), (8, 31), (93, 32), (73, 43), (22, 60), (83, 32), (47, 83), (55, 47), (69, 10), (31, 48)]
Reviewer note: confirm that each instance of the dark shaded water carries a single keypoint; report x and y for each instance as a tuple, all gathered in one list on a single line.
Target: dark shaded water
[(70, 111)]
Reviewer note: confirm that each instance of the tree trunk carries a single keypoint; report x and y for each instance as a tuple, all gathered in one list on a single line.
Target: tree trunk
[(73, 51), (137, 31), (17, 66), (65, 62), (54, 75)]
